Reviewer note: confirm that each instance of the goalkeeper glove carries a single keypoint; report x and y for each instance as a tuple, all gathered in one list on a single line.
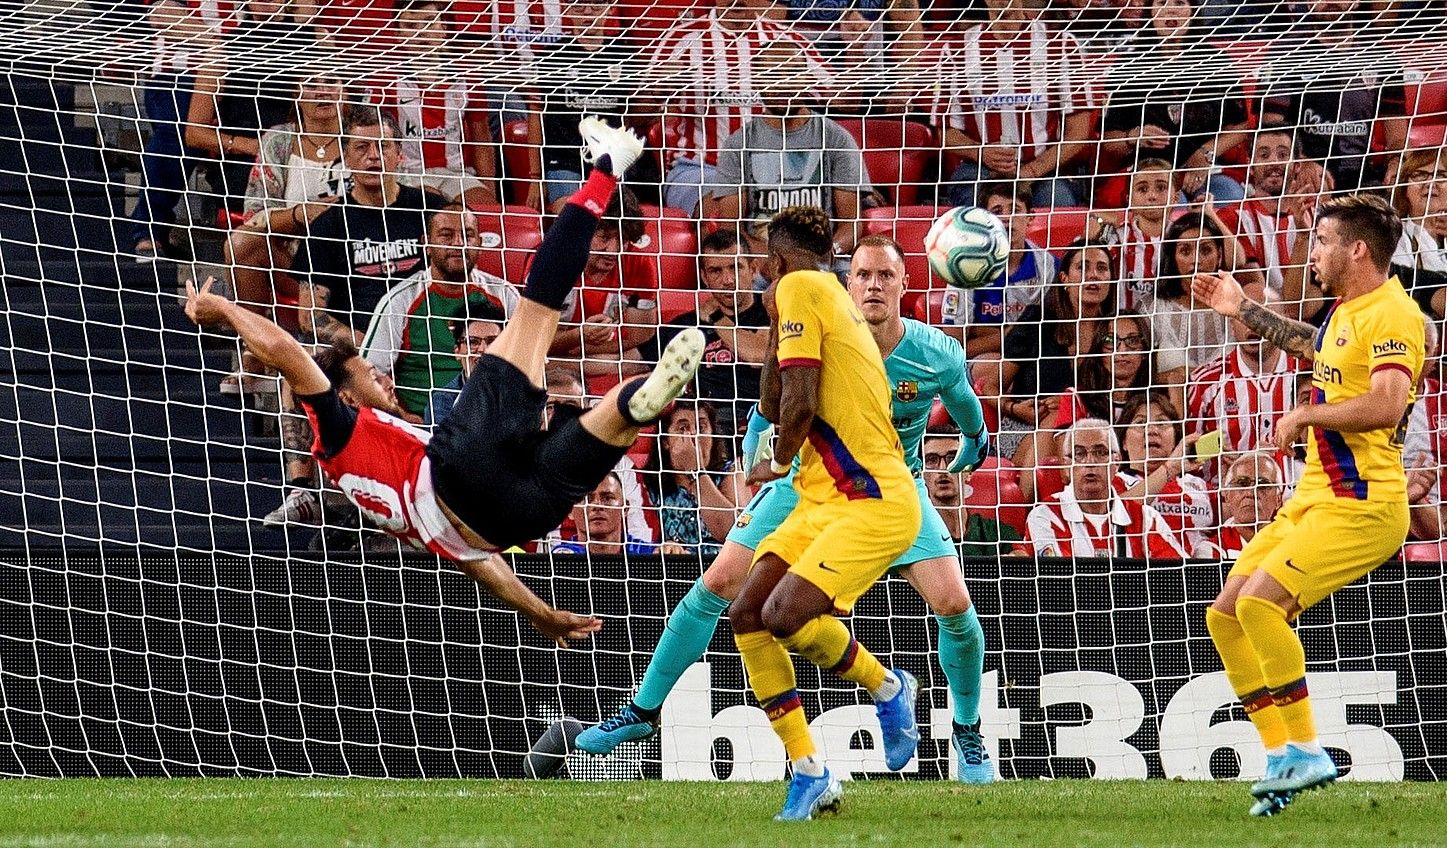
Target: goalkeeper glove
[(758, 444), (974, 447)]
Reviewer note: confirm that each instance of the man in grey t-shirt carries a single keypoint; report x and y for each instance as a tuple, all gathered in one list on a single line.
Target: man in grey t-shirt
[(790, 156)]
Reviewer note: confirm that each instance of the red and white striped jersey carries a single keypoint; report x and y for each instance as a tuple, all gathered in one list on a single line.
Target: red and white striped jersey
[(384, 470), (1243, 403), (1433, 402), (1185, 504), (434, 119), (1013, 92), (1265, 235), (1224, 544), (1058, 527), (511, 23), (1137, 253), (712, 70)]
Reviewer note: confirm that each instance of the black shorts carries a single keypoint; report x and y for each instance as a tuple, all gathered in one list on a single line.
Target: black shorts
[(507, 479)]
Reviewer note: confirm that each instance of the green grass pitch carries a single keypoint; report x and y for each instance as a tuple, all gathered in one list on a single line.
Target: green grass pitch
[(230, 813)]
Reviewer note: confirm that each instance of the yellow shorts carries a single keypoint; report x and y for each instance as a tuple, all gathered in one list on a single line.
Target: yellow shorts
[(844, 547), (1315, 548)]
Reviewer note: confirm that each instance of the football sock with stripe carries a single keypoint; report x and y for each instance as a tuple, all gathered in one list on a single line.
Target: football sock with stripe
[(771, 676), (962, 655), (825, 642), (1243, 672), (1283, 665), (560, 259)]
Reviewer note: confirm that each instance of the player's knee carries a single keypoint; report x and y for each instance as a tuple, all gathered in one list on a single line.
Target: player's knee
[(956, 603), (725, 577), (745, 617), (782, 618)]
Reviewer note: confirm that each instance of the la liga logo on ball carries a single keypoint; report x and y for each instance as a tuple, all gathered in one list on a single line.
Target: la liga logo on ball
[(968, 247)]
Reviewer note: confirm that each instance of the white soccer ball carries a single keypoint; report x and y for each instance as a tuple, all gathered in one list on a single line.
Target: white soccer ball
[(968, 247)]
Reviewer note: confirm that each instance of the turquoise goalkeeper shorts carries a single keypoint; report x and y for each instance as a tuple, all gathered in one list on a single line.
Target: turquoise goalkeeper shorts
[(777, 499)]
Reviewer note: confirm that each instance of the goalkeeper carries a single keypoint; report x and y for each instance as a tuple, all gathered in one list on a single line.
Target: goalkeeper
[(922, 363), (490, 477)]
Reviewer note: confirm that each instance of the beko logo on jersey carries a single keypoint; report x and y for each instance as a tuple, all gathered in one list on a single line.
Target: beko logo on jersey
[(1324, 373), (1390, 347), (791, 329)]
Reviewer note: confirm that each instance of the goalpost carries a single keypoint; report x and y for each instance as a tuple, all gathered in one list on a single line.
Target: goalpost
[(152, 624)]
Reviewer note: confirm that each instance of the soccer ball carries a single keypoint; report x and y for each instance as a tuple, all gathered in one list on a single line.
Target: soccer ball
[(968, 247)]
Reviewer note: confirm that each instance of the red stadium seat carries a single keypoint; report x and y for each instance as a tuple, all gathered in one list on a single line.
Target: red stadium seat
[(1055, 229), (509, 235), (896, 153), (1049, 478), (674, 302), (930, 308), (908, 225), (671, 237), (993, 492), (516, 160), (1427, 109)]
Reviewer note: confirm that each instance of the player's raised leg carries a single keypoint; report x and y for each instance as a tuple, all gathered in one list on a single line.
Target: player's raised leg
[(962, 656), (563, 253)]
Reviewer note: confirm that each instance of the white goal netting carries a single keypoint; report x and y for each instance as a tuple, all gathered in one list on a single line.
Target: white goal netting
[(180, 593)]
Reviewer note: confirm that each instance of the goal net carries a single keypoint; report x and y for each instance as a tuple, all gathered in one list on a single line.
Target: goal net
[(181, 593)]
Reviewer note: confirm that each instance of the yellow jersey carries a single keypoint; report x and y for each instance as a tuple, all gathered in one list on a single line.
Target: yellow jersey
[(1382, 329), (852, 450)]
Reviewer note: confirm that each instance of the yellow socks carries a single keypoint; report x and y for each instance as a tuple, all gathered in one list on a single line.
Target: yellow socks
[(771, 676), (1283, 664), (826, 642), (1243, 671)]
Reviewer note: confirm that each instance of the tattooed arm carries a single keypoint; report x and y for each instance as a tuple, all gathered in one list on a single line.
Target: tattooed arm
[(1222, 293)]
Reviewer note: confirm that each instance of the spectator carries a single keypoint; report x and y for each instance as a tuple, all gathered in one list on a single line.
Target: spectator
[(1273, 222), (446, 139), (975, 534), (1244, 393), (1337, 90), (408, 336), (1038, 361), (1087, 518), (614, 309), (298, 173), (566, 398), (1018, 104), (708, 62), (167, 99), (987, 313), (599, 525), (1189, 335), (1251, 493), (1421, 445), (1137, 233), (734, 322), (235, 99), (1175, 96), (471, 337), (789, 156), (1420, 198), (589, 70), (698, 494), (869, 43), (1158, 468), (371, 238)]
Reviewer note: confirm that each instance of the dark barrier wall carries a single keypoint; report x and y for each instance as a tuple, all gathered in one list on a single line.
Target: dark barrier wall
[(122, 664)]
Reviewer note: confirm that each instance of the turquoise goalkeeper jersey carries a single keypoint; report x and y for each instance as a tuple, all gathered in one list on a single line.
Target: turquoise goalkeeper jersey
[(927, 363)]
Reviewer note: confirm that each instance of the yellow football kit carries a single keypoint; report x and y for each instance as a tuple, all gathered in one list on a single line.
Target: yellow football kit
[(1349, 513), (858, 509)]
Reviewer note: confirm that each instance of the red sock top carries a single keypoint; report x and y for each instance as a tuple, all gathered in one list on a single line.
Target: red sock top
[(596, 192)]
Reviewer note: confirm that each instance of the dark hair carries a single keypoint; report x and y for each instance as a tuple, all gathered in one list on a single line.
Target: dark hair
[(414, 5), (1153, 397), (718, 452), (623, 216), (360, 117), (446, 208), (1171, 281), (946, 430), (1055, 306), (333, 361), (479, 309), (1275, 127), (1366, 218), (1094, 379), (1019, 193), (806, 228), (880, 241), (718, 241)]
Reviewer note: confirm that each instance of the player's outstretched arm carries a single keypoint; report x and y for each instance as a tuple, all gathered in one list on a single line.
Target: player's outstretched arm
[(798, 404), (1222, 293), (963, 405), (271, 344), (558, 625)]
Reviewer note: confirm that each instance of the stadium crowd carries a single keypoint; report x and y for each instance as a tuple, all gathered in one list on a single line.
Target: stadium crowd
[(1125, 146)]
